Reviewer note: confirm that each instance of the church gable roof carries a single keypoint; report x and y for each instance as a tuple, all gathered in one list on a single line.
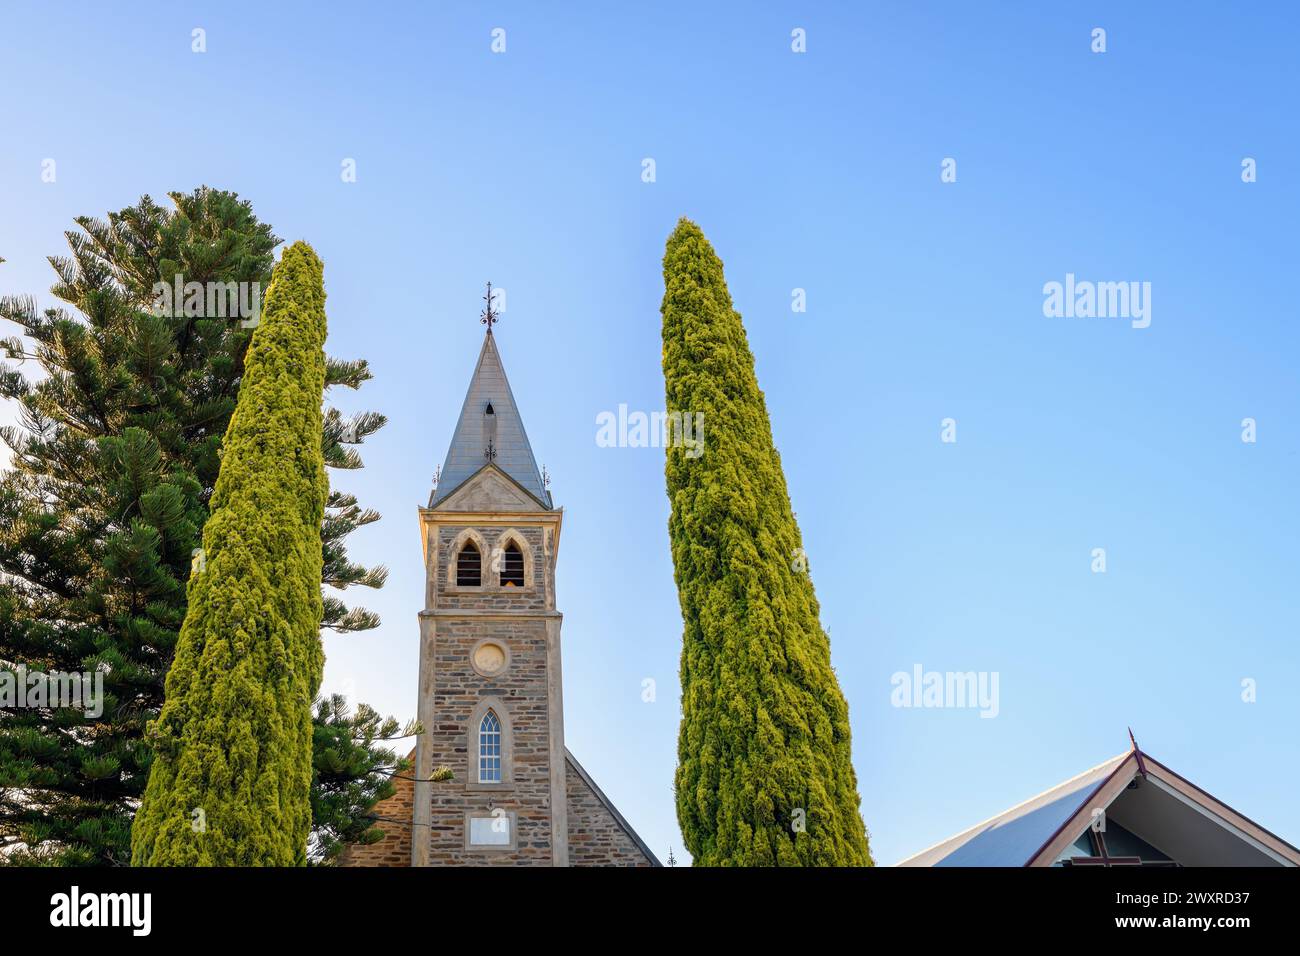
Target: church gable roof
[(580, 776), (1141, 797), (490, 415), (491, 489)]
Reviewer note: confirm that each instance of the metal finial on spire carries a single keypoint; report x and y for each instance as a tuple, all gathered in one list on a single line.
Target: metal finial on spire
[(490, 315), (491, 453), (437, 476), (546, 478)]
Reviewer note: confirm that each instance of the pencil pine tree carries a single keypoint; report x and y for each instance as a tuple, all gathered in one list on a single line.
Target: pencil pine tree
[(764, 772), (231, 778)]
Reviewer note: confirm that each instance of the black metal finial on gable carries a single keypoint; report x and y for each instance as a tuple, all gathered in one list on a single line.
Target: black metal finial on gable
[(1137, 751), (490, 316), (491, 453), (546, 478)]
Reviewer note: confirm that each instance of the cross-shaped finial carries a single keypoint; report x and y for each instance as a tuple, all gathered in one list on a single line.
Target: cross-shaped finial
[(490, 315), (491, 453)]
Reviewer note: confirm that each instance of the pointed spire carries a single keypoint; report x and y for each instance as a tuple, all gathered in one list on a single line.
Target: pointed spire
[(490, 431)]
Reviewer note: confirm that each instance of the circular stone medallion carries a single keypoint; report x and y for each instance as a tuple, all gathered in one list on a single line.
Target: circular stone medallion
[(489, 658)]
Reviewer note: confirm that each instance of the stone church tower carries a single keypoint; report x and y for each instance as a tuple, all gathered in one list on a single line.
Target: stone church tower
[(491, 696)]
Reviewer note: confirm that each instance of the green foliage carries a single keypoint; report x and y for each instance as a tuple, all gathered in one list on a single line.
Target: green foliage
[(764, 771), (353, 770), (233, 743), (115, 458)]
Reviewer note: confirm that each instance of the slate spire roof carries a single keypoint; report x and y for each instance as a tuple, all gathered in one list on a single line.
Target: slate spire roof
[(490, 429)]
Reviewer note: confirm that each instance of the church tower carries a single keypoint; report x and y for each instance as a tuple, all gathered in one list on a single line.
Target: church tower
[(491, 689)]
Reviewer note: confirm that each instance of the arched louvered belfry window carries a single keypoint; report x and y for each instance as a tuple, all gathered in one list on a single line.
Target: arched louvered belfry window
[(512, 566), (469, 566), (489, 748)]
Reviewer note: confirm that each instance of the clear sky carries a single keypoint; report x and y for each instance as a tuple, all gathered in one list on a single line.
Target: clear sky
[(818, 171)]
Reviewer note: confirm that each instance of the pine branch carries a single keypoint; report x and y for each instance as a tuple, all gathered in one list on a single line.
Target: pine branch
[(344, 620), (346, 373)]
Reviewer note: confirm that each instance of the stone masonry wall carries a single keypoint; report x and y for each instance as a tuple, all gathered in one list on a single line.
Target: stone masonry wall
[(522, 690), (490, 596), (596, 838)]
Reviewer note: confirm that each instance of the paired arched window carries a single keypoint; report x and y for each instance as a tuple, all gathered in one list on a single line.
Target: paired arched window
[(469, 566), (507, 563), (512, 566), (489, 748)]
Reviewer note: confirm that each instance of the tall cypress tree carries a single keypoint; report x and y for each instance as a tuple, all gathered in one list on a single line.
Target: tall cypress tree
[(115, 457), (764, 772), (230, 783)]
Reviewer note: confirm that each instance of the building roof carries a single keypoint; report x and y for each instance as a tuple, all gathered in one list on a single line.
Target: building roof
[(1012, 837), (1133, 790), (489, 389), (613, 810)]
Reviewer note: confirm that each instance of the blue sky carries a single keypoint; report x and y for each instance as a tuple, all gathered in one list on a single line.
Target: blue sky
[(818, 171)]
